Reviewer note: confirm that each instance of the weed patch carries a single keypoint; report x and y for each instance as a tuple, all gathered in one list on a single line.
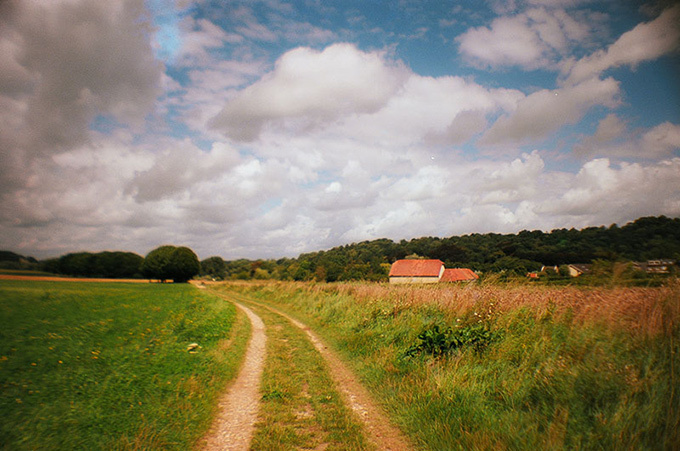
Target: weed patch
[(437, 341)]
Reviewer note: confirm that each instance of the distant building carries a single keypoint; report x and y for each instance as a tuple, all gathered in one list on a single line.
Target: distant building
[(458, 275), (659, 266), (416, 271), (578, 269), (428, 271)]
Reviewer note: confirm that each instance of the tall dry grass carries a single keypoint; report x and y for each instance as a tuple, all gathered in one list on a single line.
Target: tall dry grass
[(646, 311), (570, 367)]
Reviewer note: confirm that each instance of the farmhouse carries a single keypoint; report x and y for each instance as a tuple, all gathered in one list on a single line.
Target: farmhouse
[(416, 271), (458, 275), (576, 270), (428, 271)]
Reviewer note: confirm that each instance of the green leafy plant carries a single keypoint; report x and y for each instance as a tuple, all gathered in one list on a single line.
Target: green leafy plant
[(437, 341)]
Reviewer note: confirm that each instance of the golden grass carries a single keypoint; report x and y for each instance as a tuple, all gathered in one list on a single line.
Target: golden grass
[(645, 311), (573, 366)]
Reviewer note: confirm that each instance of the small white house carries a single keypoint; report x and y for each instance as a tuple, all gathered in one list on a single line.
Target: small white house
[(416, 271)]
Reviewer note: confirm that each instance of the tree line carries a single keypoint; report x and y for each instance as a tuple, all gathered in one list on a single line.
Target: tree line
[(644, 239), (164, 263)]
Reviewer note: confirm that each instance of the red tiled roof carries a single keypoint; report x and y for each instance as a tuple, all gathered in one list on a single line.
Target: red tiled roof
[(458, 275), (416, 268)]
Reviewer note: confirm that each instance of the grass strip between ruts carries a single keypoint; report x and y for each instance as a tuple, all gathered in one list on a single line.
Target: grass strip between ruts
[(300, 407)]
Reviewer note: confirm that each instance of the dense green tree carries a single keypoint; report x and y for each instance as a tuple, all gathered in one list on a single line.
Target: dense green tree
[(110, 265), (184, 265), (116, 265), (214, 267), (169, 262), (157, 263), (79, 264)]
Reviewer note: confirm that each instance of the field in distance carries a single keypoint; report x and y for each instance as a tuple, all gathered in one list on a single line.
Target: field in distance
[(492, 366), (106, 365)]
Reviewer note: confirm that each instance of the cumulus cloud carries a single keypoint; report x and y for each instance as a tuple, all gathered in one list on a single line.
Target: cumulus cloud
[(198, 37), (532, 39), (64, 63), (246, 156), (180, 168), (311, 85), (609, 129), (409, 109), (82, 59), (428, 107), (601, 190), (613, 139), (645, 42), (514, 181), (545, 111)]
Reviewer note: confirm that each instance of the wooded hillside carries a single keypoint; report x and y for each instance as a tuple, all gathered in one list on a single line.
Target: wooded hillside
[(644, 239)]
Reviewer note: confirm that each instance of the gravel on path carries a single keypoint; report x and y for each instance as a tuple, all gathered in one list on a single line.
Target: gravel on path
[(379, 430), (233, 428)]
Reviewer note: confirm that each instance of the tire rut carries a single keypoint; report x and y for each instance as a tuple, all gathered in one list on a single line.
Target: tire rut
[(235, 423), (380, 432)]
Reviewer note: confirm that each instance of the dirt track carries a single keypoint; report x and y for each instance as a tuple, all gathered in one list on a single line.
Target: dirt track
[(233, 428), (378, 428)]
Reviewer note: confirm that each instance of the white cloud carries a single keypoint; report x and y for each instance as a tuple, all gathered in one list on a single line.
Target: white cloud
[(645, 42), (77, 60), (613, 139), (309, 86), (322, 147), (533, 39), (546, 111), (609, 129), (602, 193), (509, 41), (199, 36), (179, 168), (661, 140), (432, 108), (513, 181)]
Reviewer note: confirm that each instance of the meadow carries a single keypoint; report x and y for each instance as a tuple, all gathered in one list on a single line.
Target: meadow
[(498, 366), (106, 366)]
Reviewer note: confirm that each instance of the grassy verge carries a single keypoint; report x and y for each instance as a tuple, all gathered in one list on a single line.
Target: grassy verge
[(487, 367), (300, 407), (105, 366)]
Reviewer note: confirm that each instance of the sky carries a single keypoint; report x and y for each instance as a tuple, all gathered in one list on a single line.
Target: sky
[(266, 129)]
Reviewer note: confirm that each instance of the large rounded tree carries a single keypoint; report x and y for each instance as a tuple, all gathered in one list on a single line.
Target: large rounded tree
[(169, 262), (184, 265)]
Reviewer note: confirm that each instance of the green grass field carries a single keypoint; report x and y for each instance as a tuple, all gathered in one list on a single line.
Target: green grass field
[(105, 366), (512, 367)]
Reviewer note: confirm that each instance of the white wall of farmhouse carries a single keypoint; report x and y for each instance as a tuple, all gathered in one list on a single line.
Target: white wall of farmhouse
[(414, 279)]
